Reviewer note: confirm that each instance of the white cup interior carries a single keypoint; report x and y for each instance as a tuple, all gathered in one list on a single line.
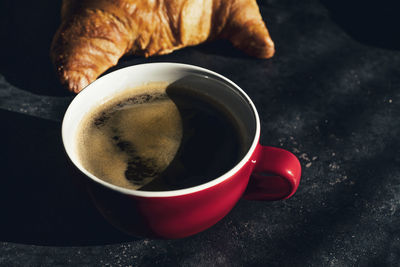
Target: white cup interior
[(214, 85)]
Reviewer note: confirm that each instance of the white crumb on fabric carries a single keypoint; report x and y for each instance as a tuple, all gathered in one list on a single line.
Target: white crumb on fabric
[(339, 180), (334, 166), (304, 156)]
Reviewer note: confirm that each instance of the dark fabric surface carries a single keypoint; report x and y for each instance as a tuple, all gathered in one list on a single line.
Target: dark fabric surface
[(330, 95)]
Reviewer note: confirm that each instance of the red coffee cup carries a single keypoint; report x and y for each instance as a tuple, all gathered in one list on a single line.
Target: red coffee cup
[(264, 173)]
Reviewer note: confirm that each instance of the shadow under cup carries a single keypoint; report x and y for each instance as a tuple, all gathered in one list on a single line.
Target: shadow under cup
[(177, 213)]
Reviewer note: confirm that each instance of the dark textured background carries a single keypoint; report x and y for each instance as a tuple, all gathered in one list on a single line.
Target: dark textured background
[(330, 95)]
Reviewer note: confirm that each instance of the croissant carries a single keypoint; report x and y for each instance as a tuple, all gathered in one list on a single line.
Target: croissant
[(95, 34)]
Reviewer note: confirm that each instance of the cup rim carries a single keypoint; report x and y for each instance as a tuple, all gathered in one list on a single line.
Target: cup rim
[(170, 193)]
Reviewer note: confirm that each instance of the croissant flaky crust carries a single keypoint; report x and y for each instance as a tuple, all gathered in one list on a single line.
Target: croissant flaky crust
[(95, 34)]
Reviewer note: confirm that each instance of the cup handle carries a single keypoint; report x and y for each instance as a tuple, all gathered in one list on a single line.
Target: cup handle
[(276, 175)]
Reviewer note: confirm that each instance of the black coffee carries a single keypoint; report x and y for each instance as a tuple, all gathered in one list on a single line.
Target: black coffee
[(156, 138)]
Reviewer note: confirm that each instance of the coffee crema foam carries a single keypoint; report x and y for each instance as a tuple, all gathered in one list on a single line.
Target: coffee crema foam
[(132, 138)]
